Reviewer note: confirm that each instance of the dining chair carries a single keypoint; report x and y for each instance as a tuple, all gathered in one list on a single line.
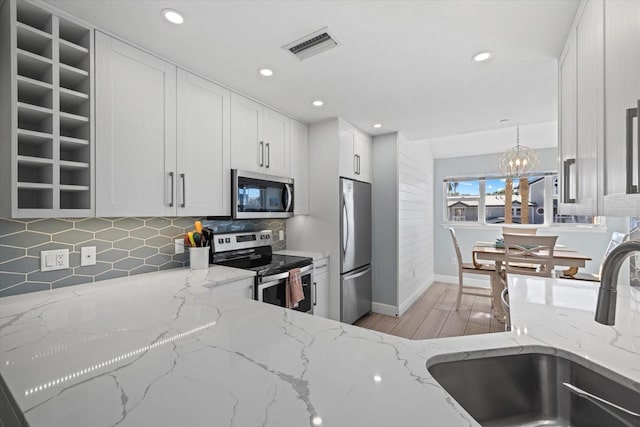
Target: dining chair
[(616, 239), (504, 299), (470, 268), (530, 255), (518, 230)]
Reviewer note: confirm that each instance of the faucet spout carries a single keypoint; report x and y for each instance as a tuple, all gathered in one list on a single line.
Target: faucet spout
[(606, 306)]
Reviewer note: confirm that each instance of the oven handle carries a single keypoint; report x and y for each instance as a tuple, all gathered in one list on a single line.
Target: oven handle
[(278, 277), (289, 197)]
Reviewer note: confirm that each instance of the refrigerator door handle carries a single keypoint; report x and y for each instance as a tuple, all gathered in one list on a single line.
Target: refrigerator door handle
[(345, 224), (631, 114), (358, 274)]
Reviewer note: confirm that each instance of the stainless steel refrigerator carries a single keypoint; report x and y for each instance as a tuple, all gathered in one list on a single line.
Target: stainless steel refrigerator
[(355, 254)]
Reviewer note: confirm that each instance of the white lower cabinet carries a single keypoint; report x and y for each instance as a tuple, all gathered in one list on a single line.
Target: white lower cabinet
[(321, 288), (240, 288), (162, 137)]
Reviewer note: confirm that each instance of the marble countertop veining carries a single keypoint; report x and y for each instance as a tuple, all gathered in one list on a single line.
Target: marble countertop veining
[(167, 350)]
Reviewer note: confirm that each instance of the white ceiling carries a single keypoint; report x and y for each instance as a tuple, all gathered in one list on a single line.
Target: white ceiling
[(405, 64)]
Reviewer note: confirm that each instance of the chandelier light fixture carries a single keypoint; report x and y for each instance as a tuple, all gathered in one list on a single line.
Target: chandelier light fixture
[(519, 160)]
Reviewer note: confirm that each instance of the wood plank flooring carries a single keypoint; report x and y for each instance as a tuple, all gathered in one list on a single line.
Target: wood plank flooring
[(434, 315)]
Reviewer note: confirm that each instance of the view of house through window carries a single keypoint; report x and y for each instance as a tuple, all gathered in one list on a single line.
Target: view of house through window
[(483, 200)]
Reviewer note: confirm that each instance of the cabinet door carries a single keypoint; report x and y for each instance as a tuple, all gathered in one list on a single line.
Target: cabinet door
[(363, 161), (622, 74), (567, 126), (247, 144), (135, 131), (321, 295), (300, 166), (240, 288), (590, 109), (276, 143), (203, 147), (347, 161)]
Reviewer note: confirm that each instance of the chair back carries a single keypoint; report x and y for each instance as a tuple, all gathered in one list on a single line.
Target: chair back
[(456, 246), (532, 255), (518, 230)]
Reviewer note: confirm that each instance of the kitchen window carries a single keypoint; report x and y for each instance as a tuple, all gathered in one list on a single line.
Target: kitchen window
[(482, 200)]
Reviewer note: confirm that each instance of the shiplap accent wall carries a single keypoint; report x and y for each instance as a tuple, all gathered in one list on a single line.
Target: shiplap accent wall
[(415, 221)]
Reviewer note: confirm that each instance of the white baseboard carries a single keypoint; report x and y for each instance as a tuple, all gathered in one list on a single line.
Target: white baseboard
[(386, 309), (467, 280), (404, 305)]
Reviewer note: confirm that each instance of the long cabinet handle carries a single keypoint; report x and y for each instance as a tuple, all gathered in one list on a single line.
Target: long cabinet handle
[(184, 187), (358, 164), (315, 293), (171, 175), (567, 181), (631, 114), (268, 148), (261, 153), (355, 164)]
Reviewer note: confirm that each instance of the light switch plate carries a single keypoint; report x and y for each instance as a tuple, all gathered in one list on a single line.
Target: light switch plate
[(178, 246), (54, 260), (87, 256), (281, 234)]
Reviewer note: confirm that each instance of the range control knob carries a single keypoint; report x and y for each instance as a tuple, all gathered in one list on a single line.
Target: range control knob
[(221, 241)]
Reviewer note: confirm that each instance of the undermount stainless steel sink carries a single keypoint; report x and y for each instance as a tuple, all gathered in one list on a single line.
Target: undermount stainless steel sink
[(537, 389)]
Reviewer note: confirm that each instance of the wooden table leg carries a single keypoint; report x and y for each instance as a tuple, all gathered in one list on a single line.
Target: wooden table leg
[(571, 271)]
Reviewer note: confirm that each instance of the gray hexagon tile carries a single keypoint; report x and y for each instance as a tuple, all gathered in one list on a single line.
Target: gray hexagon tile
[(74, 259), (111, 274), (21, 265), (111, 234), (93, 224), (158, 223), (143, 269), (25, 239), (112, 255), (158, 260), (171, 264), (128, 264), (10, 279), (144, 232), (49, 276), (51, 225), (35, 251), (93, 270), (128, 243), (72, 280), (7, 253), (72, 236), (24, 288), (157, 241), (172, 231), (143, 252), (180, 257), (100, 245), (168, 249), (8, 226), (184, 222), (128, 223)]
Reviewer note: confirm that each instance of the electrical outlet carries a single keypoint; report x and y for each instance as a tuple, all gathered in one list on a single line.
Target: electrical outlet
[(281, 234), (87, 256), (178, 247), (54, 260)]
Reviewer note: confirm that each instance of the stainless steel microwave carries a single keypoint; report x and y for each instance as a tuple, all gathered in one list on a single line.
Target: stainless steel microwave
[(255, 195)]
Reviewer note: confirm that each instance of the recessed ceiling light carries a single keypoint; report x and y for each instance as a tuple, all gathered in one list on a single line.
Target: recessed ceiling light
[(172, 16), (317, 421), (482, 56), (266, 72), (317, 103), (377, 125)]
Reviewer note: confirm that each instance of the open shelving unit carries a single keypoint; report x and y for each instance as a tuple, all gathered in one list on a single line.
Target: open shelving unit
[(50, 71)]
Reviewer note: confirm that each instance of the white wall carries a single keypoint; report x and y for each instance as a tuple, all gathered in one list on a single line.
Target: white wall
[(415, 221), (591, 243)]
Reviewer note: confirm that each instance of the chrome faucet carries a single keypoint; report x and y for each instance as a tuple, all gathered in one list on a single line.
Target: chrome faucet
[(606, 307)]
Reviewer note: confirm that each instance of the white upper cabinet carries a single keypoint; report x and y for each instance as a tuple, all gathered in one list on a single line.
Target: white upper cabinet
[(622, 83), (135, 131), (203, 148), (162, 137), (259, 138), (355, 153), (567, 126), (299, 158)]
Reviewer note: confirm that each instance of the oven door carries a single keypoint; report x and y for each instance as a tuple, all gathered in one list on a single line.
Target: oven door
[(255, 195), (271, 289)]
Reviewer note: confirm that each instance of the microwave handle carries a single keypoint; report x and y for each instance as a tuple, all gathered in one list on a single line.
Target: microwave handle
[(289, 197), (261, 154), (631, 114)]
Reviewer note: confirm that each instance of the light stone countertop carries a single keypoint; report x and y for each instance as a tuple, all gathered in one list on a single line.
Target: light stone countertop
[(164, 350)]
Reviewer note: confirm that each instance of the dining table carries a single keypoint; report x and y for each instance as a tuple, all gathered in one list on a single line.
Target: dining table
[(489, 251)]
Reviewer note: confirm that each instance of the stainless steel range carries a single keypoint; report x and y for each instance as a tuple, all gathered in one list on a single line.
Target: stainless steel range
[(253, 251)]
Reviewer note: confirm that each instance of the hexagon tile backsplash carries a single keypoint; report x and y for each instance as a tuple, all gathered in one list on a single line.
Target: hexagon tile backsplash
[(124, 246)]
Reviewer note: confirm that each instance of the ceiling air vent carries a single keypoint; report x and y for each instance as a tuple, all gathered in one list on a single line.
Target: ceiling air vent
[(312, 44)]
